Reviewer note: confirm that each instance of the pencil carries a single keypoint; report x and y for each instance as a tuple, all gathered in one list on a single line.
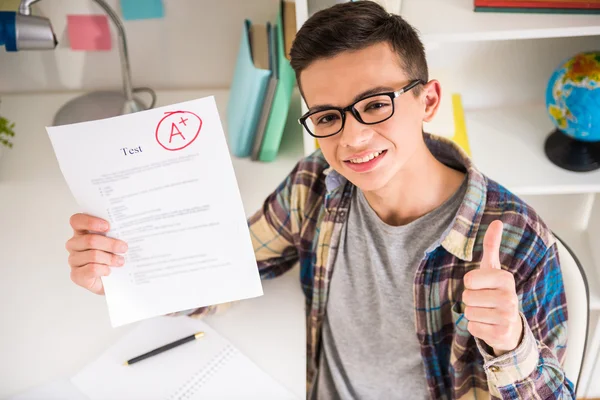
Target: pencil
[(165, 348)]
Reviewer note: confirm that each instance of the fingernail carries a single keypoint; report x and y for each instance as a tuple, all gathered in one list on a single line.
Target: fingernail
[(121, 261), (104, 227), (122, 248)]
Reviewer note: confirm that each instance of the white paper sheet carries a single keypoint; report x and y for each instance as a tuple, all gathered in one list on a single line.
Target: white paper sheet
[(207, 368), (165, 181)]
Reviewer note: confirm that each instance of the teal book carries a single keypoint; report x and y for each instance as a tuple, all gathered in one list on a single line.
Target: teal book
[(269, 96), (246, 98), (280, 106)]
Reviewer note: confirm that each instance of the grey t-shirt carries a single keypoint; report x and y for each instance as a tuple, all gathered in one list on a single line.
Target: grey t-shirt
[(369, 345)]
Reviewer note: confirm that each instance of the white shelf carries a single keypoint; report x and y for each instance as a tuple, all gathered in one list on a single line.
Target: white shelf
[(455, 21), (507, 145), (580, 243)]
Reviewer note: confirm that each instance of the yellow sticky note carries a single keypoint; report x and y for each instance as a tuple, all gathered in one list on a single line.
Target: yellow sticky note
[(460, 126), (9, 5)]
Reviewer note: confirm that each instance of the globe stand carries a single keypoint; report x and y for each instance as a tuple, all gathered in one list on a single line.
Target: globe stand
[(571, 154)]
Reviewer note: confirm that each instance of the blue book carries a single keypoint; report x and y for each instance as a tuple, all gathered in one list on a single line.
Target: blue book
[(246, 98)]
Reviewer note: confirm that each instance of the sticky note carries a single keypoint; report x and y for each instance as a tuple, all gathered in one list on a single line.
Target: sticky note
[(9, 5), (89, 32), (142, 9)]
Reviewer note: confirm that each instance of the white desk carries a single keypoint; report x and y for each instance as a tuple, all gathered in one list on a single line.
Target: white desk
[(50, 328)]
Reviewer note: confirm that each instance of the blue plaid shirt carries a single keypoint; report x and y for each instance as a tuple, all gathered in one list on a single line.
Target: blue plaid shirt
[(302, 219)]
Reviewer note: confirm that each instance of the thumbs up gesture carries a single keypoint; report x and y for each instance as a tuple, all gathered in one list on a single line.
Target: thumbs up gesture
[(492, 306)]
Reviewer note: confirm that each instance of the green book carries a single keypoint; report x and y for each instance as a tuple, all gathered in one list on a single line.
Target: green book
[(286, 80), (538, 10)]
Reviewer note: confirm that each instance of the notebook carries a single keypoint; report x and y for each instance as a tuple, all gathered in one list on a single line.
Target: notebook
[(207, 368), (281, 98), (269, 96), (246, 97)]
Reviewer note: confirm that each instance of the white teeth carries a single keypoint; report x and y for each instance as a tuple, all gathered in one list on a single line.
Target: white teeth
[(365, 158)]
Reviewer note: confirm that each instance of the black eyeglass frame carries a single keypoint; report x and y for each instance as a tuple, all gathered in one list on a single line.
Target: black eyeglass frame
[(354, 111)]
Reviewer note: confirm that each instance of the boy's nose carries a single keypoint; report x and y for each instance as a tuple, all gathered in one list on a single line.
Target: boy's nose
[(355, 134)]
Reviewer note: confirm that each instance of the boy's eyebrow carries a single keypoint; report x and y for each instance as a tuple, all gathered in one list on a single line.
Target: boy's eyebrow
[(375, 90)]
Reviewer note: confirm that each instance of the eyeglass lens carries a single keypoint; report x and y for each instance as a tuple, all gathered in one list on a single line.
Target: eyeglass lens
[(371, 110)]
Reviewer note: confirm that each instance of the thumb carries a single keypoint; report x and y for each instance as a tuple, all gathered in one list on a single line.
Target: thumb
[(491, 245)]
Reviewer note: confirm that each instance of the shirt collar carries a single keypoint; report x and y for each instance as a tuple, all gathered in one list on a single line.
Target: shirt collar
[(459, 238)]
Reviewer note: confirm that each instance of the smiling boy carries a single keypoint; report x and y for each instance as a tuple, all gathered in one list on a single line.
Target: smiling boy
[(423, 278)]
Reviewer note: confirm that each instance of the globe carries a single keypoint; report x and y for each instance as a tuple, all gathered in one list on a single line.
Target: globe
[(573, 104)]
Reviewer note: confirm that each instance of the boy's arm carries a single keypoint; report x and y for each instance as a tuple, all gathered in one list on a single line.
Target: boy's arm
[(273, 230), (534, 369)]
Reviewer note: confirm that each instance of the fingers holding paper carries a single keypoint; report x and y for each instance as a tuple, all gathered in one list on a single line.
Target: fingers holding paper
[(92, 254), (89, 277)]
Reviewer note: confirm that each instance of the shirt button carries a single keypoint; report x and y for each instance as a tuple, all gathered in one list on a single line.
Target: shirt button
[(494, 368)]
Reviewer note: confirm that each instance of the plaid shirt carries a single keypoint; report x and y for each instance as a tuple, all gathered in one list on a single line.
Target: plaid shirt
[(302, 219)]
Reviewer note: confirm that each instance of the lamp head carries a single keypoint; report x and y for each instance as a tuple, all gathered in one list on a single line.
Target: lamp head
[(23, 31), (34, 33)]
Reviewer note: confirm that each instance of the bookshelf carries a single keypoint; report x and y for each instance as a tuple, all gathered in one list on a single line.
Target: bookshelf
[(506, 135), (517, 135), (459, 23)]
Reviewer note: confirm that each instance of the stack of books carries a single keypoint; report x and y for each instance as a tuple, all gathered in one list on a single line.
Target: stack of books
[(539, 6), (262, 86)]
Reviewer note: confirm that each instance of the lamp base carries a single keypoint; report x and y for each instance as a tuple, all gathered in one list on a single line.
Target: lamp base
[(571, 154), (96, 105)]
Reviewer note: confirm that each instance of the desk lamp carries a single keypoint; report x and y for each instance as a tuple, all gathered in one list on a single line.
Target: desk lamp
[(23, 31)]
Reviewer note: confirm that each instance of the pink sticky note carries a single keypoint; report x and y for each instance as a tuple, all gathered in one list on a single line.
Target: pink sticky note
[(89, 32)]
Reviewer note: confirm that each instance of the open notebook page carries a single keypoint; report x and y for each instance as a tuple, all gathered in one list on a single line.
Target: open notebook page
[(207, 368)]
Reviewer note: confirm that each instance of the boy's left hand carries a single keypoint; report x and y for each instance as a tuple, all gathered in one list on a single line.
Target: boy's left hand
[(492, 305)]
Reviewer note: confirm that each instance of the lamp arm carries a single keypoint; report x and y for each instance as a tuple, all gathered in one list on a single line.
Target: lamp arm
[(125, 67), (25, 8)]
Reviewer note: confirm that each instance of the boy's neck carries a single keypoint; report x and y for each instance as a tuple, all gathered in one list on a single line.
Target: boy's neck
[(421, 187)]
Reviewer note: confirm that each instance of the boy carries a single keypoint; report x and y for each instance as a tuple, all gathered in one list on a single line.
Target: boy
[(423, 278)]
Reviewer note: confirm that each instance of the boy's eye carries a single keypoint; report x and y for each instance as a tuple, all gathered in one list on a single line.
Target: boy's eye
[(376, 106), (327, 118)]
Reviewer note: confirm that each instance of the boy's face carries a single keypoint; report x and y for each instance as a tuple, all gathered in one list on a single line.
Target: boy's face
[(337, 81)]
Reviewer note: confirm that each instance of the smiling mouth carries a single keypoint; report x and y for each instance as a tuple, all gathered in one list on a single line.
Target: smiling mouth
[(366, 158)]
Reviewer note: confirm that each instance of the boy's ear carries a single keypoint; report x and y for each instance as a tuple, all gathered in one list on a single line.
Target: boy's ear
[(431, 95)]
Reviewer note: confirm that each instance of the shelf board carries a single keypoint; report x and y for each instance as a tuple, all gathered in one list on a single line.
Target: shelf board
[(455, 21), (580, 243), (507, 145)]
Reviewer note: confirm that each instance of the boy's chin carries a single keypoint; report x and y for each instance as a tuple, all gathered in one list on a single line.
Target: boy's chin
[(369, 183)]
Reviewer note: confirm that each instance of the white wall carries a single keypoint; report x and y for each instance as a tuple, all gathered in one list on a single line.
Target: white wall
[(194, 46)]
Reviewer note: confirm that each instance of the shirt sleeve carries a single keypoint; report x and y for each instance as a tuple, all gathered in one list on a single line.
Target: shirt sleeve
[(274, 229), (534, 369)]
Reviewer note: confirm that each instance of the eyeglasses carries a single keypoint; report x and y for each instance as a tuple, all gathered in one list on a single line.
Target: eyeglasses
[(369, 110)]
